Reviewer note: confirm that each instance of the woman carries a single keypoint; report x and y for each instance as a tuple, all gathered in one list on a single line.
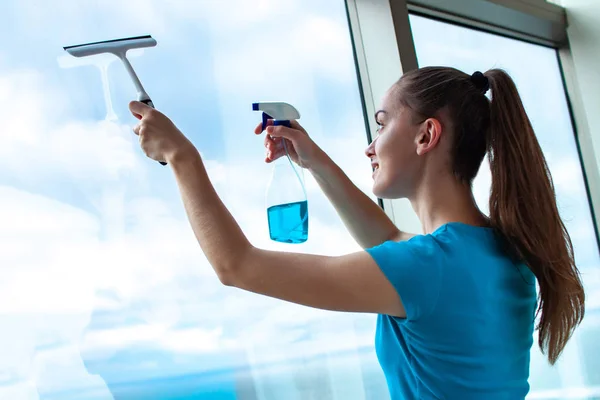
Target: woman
[(457, 304)]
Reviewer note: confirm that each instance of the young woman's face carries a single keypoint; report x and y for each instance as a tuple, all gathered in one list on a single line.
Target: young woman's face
[(393, 152)]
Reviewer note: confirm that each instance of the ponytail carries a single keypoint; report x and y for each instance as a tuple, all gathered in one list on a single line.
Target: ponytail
[(523, 209)]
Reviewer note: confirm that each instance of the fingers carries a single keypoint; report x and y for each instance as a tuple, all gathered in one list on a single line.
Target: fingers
[(296, 125), (274, 155), (273, 144), (269, 141), (278, 131), (273, 140), (282, 131), (275, 137), (258, 130), (139, 109)]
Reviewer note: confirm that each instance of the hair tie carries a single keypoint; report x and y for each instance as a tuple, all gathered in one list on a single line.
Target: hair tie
[(481, 82)]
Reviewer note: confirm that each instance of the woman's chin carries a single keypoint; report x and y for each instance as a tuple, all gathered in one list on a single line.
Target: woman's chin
[(388, 192), (379, 190)]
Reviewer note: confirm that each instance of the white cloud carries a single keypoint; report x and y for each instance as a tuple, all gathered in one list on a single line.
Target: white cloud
[(22, 390), (60, 368), (20, 111), (194, 340), (229, 18), (45, 248), (108, 340), (264, 61), (38, 146), (567, 175)]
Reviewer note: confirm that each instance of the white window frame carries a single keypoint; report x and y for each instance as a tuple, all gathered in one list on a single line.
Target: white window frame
[(384, 50)]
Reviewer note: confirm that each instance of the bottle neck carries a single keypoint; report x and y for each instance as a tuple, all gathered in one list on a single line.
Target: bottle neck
[(287, 182)]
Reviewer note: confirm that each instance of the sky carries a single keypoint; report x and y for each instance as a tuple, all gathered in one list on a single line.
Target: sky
[(103, 284), (103, 288)]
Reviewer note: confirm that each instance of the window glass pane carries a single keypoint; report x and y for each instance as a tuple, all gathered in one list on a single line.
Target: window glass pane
[(103, 288), (536, 72)]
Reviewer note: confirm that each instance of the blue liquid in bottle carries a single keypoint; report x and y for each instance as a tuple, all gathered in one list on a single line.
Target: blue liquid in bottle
[(288, 223)]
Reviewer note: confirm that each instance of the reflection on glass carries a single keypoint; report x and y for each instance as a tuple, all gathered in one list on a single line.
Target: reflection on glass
[(104, 292), (537, 74)]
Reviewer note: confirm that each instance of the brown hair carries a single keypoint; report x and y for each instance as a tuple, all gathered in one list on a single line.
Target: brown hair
[(522, 204)]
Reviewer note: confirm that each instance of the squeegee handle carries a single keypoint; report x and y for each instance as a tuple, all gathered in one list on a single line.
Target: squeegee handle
[(149, 103)]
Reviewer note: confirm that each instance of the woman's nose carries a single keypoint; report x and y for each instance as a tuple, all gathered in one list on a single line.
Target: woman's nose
[(370, 150)]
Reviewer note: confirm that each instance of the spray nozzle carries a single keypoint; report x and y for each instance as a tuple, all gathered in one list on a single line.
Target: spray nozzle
[(281, 113)]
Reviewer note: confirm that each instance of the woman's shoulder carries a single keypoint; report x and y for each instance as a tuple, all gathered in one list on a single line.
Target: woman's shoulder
[(462, 229), (455, 233), (447, 242), (417, 247)]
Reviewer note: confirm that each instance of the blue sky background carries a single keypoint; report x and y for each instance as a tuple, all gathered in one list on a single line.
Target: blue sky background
[(103, 287), (107, 289)]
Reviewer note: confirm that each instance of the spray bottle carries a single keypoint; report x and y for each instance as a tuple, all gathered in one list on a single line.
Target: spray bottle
[(287, 205)]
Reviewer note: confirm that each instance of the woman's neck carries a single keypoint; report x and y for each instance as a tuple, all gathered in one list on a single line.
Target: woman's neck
[(443, 201)]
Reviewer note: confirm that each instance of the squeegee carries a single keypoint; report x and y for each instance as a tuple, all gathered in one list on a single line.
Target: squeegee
[(119, 48)]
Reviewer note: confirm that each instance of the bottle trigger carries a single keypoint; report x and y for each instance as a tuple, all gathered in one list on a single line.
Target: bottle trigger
[(283, 122), (265, 119)]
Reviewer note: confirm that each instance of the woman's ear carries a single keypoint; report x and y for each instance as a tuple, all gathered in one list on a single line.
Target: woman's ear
[(429, 135)]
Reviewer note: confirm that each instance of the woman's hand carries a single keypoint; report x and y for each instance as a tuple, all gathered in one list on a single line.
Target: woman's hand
[(159, 137), (300, 146)]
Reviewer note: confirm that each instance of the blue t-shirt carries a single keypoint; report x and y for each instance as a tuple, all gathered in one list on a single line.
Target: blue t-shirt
[(469, 317)]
